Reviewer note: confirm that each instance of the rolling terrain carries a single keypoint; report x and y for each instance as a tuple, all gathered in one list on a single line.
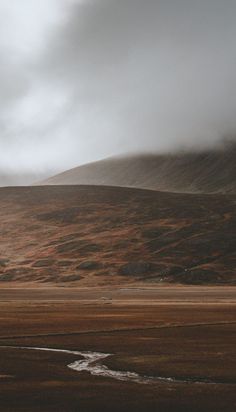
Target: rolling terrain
[(101, 236), (209, 171), (116, 298)]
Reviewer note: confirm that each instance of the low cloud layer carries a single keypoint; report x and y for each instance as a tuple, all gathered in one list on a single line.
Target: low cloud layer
[(85, 79)]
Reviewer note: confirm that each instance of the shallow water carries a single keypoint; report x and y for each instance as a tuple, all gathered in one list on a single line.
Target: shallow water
[(92, 363)]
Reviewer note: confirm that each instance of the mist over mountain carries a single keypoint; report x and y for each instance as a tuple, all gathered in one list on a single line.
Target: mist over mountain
[(208, 171), (85, 80), (20, 179)]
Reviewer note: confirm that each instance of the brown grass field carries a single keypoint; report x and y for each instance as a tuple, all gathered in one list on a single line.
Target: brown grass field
[(99, 236), (187, 333), (144, 276)]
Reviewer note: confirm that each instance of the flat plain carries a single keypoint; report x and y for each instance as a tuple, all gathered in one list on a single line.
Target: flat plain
[(183, 338)]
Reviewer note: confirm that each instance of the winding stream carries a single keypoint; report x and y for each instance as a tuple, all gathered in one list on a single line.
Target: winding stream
[(92, 363)]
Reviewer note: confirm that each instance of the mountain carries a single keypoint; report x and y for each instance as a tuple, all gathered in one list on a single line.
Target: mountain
[(211, 171), (100, 236)]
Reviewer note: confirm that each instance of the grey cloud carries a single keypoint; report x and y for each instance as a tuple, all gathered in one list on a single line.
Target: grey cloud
[(131, 75), (162, 71)]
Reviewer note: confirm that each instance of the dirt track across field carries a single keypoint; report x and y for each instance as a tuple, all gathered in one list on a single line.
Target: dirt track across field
[(129, 296)]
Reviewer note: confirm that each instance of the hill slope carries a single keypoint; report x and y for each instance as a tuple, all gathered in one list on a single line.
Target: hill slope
[(205, 172), (99, 236)]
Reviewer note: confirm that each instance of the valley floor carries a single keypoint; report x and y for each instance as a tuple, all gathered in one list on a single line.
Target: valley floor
[(184, 333)]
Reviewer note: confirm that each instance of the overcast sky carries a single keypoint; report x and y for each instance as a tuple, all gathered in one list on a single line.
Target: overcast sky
[(85, 79)]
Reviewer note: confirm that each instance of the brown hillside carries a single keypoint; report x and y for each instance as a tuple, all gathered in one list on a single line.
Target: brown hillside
[(95, 236)]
